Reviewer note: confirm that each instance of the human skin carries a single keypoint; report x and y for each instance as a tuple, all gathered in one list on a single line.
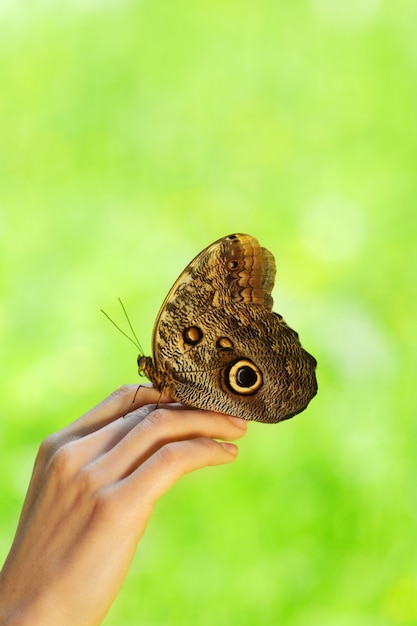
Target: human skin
[(92, 492)]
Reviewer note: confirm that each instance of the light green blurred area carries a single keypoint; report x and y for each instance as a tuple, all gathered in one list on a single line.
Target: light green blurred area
[(132, 135)]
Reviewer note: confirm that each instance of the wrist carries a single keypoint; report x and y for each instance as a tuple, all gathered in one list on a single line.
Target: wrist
[(16, 610)]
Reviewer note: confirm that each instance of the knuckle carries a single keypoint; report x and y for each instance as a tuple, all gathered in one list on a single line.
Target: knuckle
[(207, 446), (61, 462), (125, 389), (160, 418), (127, 397), (122, 392), (48, 447), (69, 472), (169, 454), (179, 456), (86, 480), (208, 450)]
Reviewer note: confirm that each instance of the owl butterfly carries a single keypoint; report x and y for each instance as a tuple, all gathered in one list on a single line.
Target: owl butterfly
[(217, 344)]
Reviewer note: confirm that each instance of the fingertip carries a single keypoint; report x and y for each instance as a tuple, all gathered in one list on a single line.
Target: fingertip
[(230, 448), (239, 422)]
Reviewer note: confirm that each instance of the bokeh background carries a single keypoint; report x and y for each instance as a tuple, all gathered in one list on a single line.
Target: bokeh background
[(135, 133)]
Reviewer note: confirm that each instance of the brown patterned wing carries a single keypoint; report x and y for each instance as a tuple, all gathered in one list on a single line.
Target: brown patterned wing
[(217, 344), (250, 270), (232, 269)]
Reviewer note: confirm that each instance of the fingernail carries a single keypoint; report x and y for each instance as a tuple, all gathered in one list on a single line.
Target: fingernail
[(230, 448), (239, 422)]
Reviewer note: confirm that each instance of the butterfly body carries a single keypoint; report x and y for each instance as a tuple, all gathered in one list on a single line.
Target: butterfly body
[(217, 344)]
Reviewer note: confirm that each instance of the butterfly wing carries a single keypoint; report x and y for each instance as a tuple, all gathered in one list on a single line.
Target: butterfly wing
[(216, 343), (232, 269), (247, 363)]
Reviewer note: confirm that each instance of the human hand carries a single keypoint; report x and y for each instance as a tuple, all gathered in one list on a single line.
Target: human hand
[(92, 492)]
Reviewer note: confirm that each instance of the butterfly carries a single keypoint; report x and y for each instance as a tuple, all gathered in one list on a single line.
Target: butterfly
[(218, 345)]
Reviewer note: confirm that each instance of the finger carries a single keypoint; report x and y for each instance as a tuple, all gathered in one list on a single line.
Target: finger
[(139, 491), (165, 425), (63, 455), (80, 451), (122, 401), (110, 409)]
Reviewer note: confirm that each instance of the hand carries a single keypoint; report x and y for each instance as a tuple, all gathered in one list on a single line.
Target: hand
[(92, 492)]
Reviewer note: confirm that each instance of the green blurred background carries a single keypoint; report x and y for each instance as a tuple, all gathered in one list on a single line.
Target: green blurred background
[(132, 135)]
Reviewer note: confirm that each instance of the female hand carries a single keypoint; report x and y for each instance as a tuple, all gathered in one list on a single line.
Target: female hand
[(92, 492)]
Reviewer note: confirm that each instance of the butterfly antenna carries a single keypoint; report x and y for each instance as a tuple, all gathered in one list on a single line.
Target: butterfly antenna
[(135, 341), (130, 326)]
